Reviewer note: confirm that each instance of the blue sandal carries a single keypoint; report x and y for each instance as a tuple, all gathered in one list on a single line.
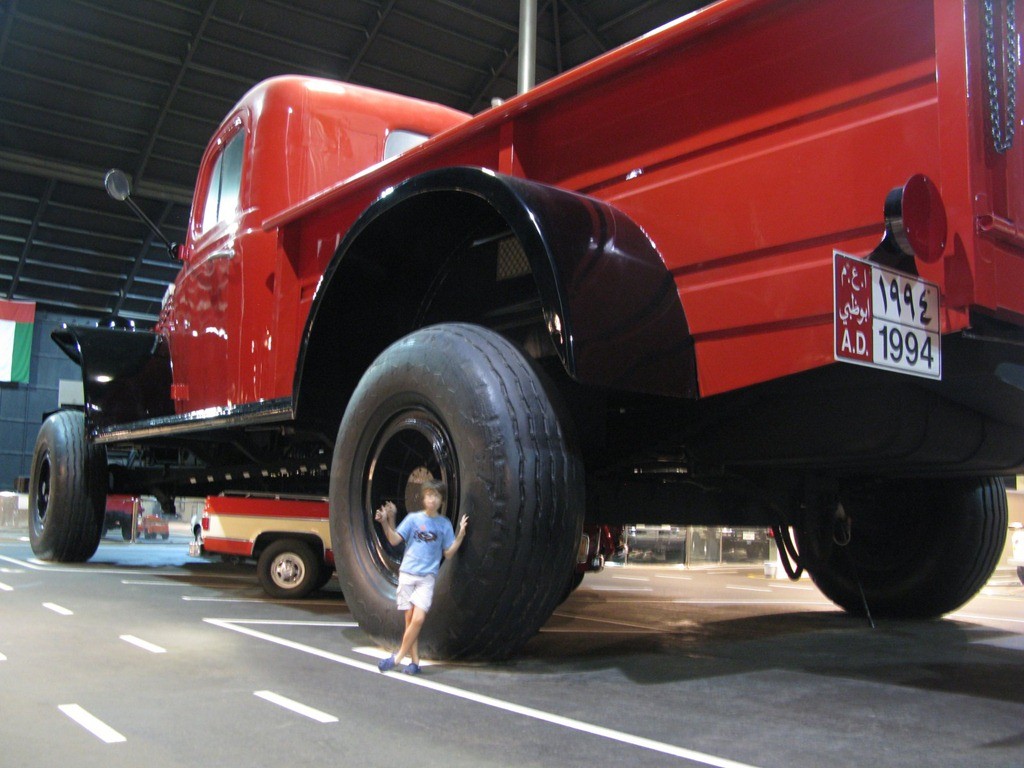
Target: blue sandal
[(386, 665), (412, 669)]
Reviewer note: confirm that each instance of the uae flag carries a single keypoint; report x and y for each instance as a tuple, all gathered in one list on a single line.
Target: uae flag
[(16, 319)]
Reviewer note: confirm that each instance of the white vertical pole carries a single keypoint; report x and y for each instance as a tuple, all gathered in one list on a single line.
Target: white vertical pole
[(527, 44)]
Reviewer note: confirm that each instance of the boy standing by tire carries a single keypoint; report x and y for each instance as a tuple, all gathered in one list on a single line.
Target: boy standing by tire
[(427, 536)]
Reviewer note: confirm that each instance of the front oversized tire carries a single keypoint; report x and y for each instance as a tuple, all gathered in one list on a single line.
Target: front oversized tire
[(467, 406), (919, 548), (67, 491)]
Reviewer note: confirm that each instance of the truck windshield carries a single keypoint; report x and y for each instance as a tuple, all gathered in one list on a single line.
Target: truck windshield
[(225, 183)]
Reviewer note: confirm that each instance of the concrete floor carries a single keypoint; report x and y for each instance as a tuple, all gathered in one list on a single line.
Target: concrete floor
[(185, 662)]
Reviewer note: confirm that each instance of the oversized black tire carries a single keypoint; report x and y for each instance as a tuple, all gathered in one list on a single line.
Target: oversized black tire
[(571, 586), (67, 491), (289, 569), (126, 530), (468, 406), (918, 548)]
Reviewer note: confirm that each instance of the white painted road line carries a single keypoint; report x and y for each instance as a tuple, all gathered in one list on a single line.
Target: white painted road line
[(35, 564), (265, 601), (91, 723), (298, 623), (748, 589), (976, 616), (620, 589), (1011, 642), (2, 657), (808, 603), (143, 644), (294, 706), (6, 587), (673, 578), (631, 578), (630, 625), (58, 609), (489, 701)]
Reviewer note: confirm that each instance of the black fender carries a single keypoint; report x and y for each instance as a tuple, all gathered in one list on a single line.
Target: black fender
[(610, 305), (126, 375)]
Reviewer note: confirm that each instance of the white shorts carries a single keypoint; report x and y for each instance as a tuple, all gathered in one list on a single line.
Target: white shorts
[(414, 590)]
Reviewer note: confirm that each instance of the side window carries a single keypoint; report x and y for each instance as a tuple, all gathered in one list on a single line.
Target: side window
[(225, 183), (400, 141)]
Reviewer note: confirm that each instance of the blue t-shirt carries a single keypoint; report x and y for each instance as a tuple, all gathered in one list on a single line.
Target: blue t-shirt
[(426, 539)]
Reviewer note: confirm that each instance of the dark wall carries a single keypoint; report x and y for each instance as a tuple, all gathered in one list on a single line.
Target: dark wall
[(22, 405)]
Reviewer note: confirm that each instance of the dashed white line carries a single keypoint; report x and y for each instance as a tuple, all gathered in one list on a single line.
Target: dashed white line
[(2, 657), (58, 609), (489, 701), (631, 578), (747, 589), (6, 587), (91, 723), (673, 578), (294, 706), (143, 644), (600, 588)]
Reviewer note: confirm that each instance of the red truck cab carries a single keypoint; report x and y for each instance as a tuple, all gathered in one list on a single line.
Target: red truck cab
[(239, 304)]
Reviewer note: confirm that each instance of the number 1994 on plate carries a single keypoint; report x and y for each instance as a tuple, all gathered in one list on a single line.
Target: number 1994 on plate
[(885, 318)]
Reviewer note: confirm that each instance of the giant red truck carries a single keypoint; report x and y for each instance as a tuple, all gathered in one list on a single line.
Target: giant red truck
[(763, 266)]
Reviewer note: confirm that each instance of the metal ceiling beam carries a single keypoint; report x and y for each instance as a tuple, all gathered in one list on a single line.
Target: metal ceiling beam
[(422, 23), (559, 67), (5, 33), (96, 40), (463, 9), (44, 200), (87, 177), (371, 37), (589, 27), (640, 8), (172, 92)]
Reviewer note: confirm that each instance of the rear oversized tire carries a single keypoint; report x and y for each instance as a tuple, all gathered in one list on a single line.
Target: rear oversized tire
[(67, 491), (919, 548), (465, 405)]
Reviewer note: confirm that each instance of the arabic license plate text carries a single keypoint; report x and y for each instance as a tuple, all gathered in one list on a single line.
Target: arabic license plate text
[(885, 318)]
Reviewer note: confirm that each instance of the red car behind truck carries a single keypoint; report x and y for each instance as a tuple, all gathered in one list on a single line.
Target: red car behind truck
[(763, 266)]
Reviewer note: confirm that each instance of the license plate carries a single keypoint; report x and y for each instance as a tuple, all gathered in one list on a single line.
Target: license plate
[(885, 318)]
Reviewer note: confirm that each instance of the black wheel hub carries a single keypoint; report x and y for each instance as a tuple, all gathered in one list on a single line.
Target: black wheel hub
[(411, 447), (42, 492)]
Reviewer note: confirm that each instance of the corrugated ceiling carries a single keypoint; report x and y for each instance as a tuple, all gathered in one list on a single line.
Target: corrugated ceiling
[(87, 85)]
